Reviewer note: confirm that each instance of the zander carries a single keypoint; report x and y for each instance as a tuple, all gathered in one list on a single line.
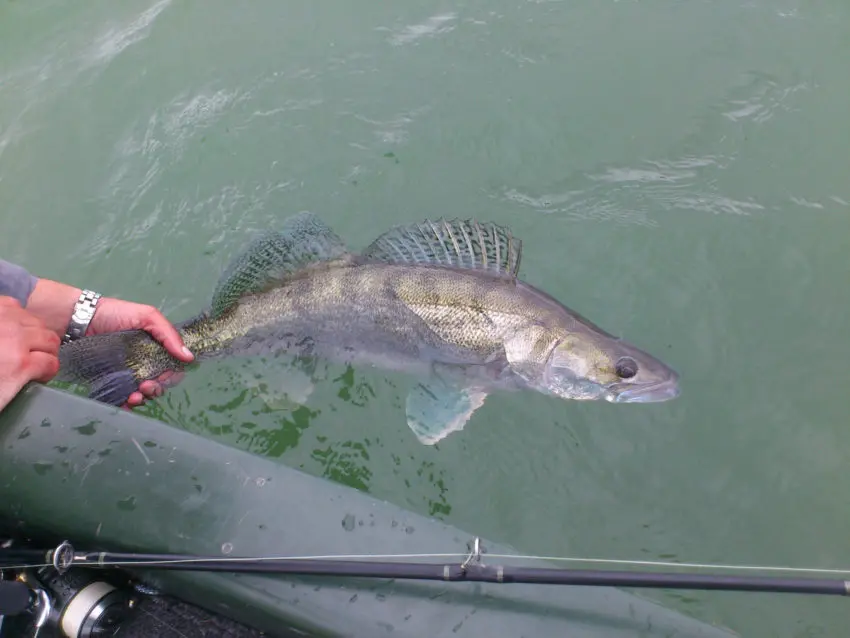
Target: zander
[(437, 299)]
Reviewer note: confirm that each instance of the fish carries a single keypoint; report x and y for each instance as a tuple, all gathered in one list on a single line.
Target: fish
[(440, 300)]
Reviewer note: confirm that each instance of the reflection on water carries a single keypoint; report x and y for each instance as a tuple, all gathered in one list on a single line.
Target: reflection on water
[(356, 393), (273, 443), (345, 462), (258, 414)]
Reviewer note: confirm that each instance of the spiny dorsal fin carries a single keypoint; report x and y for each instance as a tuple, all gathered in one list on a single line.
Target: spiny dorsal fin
[(458, 243), (302, 240)]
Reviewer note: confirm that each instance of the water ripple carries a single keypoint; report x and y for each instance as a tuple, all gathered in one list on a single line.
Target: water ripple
[(629, 194), (579, 205), (433, 26), (804, 202), (762, 98), (113, 42), (140, 155), (187, 117)]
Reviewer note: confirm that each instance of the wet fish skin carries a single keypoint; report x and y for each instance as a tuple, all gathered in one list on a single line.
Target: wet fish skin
[(438, 300)]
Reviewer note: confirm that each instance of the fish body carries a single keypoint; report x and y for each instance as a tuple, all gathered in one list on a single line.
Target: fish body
[(439, 300)]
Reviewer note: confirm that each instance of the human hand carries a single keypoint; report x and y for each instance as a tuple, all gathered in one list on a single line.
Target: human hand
[(29, 351), (113, 315)]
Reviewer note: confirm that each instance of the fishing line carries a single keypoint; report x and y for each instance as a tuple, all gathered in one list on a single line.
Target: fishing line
[(573, 559), (472, 569), (228, 559), (649, 563)]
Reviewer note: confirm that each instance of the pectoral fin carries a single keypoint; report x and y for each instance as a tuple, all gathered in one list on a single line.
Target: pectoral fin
[(436, 409)]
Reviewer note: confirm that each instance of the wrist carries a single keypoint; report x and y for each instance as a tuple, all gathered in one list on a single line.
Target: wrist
[(83, 314), (54, 303)]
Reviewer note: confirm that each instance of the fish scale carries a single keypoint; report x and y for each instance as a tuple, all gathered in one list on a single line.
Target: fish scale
[(441, 300)]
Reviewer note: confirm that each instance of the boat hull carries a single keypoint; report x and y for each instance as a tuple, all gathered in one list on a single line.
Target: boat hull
[(104, 478)]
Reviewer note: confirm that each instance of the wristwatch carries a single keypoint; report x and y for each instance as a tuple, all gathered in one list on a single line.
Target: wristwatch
[(83, 313)]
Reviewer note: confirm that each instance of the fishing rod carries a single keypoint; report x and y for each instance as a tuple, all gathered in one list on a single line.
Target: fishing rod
[(470, 570)]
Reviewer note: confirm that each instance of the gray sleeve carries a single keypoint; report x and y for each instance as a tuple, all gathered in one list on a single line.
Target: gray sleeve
[(16, 282)]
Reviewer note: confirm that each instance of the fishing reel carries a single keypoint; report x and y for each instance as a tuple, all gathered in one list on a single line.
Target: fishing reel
[(58, 602)]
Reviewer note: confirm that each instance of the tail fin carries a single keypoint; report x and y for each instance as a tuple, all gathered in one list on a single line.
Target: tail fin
[(104, 362)]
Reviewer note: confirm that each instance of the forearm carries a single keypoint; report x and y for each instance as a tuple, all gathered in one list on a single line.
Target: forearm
[(53, 303), (16, 282), (49, 300)]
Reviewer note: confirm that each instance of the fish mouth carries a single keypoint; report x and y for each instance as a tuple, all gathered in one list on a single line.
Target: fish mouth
[(652, 393)]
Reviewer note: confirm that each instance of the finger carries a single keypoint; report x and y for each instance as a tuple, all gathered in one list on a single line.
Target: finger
[(29, 319), (15, 313), (170, 378), (154, 388), (11, 386), (41, 366), (135, 399), (40, 339), (151, 389), (163, 331)]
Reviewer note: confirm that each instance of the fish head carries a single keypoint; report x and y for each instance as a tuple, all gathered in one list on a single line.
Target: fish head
[(603, 367)]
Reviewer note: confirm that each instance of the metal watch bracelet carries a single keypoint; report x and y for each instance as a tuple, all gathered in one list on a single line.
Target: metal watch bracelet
[(83, 314)]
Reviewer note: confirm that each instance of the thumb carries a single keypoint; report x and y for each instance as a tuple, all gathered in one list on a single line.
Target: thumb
[(163, 331)]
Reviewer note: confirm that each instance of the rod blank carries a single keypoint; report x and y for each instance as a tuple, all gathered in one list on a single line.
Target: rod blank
[(455, 572), (476, 572)]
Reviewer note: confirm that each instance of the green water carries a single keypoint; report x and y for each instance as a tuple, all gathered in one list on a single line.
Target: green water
[(678, 171)]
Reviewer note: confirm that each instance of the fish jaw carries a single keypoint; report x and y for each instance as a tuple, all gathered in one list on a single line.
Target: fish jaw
[(665, 390)]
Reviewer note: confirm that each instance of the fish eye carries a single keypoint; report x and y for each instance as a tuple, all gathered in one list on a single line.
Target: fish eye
[(626, 368)]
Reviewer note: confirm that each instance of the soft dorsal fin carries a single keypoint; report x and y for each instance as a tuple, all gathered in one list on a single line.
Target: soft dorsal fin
[(303, 239), (458, 243)]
